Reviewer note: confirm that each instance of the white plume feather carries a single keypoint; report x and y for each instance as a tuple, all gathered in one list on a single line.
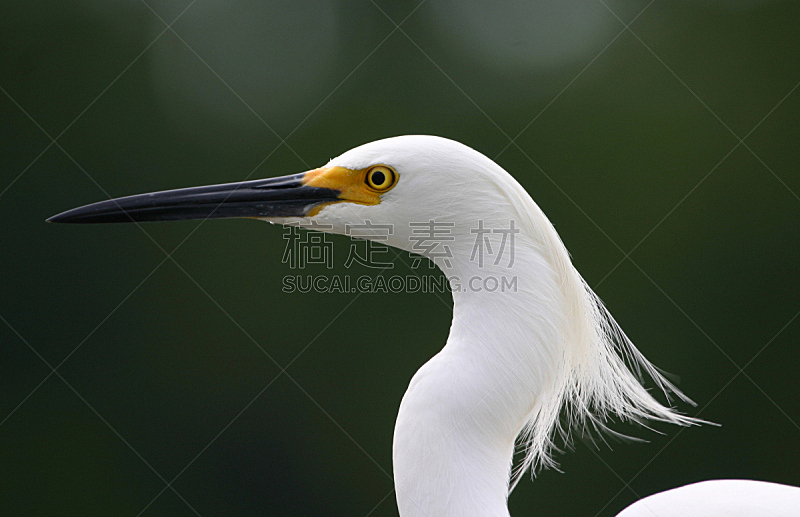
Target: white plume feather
[(600, 371)]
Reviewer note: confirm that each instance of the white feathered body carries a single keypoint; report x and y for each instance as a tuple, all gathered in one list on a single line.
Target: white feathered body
[(720, 498)]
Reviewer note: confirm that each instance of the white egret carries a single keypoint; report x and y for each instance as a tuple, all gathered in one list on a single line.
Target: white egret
[(527, 364)]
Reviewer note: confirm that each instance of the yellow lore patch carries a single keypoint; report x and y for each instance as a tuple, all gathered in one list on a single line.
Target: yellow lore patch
[(353, 185)]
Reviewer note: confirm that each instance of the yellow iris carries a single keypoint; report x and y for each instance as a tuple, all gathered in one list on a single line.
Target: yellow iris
[(381, 178)]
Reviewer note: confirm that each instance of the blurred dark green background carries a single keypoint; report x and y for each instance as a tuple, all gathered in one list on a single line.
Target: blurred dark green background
[(635, 135)]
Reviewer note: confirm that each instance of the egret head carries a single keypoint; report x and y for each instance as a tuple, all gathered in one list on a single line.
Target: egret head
[(392, 182)]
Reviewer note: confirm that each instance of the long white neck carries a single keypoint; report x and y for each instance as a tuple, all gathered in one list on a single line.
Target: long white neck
[(514, 361), (457, 425)]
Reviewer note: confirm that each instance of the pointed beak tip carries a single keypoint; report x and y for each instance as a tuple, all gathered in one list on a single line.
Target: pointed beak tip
[(63, 217)]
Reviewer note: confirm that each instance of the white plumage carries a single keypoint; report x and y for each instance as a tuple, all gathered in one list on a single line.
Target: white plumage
[(720, 498), (515, 363), (532, 363)]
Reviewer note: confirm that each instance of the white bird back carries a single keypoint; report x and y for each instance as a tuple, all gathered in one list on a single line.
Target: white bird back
[(720, 498)]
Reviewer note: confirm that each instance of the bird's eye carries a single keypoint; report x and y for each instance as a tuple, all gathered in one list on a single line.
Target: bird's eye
[(381, 178)]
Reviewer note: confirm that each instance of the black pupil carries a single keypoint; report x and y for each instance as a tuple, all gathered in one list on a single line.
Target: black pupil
[(378, 178)]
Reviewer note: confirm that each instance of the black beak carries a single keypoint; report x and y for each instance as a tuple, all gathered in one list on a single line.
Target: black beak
[(286, 196)]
